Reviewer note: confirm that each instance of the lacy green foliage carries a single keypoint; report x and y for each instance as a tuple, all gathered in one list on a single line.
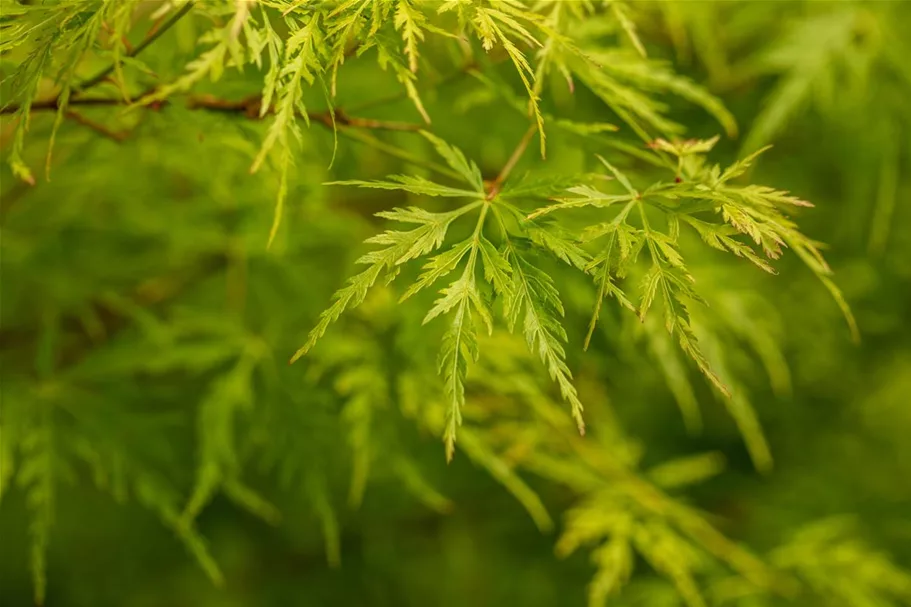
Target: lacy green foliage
[(149, 355), (835, 62), (621, 509), (528, 294), (849, 572), (703, 199), (756, 212), (36, 475)]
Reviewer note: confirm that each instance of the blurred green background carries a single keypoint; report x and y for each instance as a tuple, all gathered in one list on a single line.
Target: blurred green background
[(138, 297)]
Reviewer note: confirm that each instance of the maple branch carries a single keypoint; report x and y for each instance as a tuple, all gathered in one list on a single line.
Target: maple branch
[(251, 108), (118, 136), (54, 104)]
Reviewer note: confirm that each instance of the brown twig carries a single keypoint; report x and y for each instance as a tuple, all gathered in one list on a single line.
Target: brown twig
[(54, 104), (494, 186), (123, 39), (369, 123), (157, 30), (118, 136), (251, 107)]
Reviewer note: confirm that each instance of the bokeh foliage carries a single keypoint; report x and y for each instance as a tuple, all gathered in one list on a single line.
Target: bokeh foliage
[(180, 207)]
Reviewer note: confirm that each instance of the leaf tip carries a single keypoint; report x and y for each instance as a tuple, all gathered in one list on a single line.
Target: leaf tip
[(299, 354)]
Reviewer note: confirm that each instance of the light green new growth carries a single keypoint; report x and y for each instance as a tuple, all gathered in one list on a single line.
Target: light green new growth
[(528, 294), (522, 255)]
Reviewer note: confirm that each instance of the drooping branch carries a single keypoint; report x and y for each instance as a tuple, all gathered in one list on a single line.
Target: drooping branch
[(118, 136), (249, 108), (52, 105)]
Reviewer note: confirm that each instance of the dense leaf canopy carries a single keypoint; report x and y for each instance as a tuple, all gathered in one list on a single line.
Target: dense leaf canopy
[(572, 240)]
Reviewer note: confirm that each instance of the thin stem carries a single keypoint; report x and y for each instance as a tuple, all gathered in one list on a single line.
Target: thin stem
[(475, 242), (602, 291), (476, 237), (54, 104), (396, 152), (118, 136), (653, 250), (516, 155), (511, 163), (624, 212), (251, 108), (503, 228), (369, 123)]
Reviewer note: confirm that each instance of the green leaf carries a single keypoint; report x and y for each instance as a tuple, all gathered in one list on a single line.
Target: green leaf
[(411, 23), (606, 285), (438, 267), (623, 179), (497, 270), (415, 185), (620, 12), (400, 247), (457, 161), (535, 301), (500, 470), (460, 346)]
